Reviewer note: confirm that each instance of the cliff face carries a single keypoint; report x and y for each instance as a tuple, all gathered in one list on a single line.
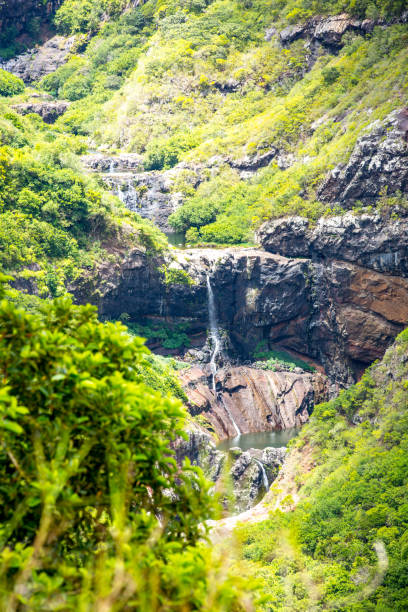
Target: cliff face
[(251, 399), (339, 296), (19, 13)]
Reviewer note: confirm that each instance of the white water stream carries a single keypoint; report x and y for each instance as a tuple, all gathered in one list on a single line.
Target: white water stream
[(264, 476), (216, 349)]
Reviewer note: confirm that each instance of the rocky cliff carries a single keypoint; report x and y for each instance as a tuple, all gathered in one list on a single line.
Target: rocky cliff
[(377, 165), (337, 304), (251, 399), (18, 14)]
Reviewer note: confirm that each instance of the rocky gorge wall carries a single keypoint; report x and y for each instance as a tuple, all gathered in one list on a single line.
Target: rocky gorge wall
[(337, 294), (252, 399), (17, 14)]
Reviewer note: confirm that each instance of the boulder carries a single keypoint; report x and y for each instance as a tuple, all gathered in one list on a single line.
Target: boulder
[(49, 111)]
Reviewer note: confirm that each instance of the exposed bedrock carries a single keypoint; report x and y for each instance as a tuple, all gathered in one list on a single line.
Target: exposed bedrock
[(151, 194), (378, 164), (251, 399), (242, 478), (37, 62), (329, 31), (368, 240), (48, 111), (338, 310)]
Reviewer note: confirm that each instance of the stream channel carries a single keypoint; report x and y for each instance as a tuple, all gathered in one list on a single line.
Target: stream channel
[(257, 440)]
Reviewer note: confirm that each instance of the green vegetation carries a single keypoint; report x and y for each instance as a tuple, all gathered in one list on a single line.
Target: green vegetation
[(95, 513), (9, 84), (344, 546), (86, 16), (275, 360), (56, 223), (195, 82), (174, 276), (294, 11), (162, 335)]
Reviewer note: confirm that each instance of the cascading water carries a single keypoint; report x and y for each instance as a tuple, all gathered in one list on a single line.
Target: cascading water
[(264, 476), (216, 349), (215, 335)]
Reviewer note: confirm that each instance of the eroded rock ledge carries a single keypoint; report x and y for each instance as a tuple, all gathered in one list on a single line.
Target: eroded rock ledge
[(368, 240), (257, 400), (329, 31)]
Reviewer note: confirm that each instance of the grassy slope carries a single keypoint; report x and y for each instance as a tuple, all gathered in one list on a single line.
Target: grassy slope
[(329, 552), (190, 81)]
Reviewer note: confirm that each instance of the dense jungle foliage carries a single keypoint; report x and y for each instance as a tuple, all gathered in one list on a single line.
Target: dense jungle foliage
[(94, 512), (345, 545)]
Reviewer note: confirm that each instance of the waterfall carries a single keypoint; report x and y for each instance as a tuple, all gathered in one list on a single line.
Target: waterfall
[(228, 411), (216, 349), (215, 335), (264, 476)]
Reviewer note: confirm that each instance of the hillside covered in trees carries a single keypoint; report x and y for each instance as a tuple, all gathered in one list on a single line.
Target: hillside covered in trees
[(267, 140)]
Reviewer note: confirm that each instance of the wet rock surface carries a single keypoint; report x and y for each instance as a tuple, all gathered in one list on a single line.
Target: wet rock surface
[(337, 313), (151, 194), (251, 399), (40, 61), (241, 477)]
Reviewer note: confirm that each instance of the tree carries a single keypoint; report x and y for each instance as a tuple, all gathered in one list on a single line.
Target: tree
[(92, 503)]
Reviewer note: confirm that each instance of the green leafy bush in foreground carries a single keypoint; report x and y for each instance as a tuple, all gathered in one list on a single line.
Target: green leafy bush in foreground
[(94, 512)]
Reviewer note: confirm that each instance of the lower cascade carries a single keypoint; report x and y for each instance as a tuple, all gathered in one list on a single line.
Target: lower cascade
[(264, 476), (216, 350)]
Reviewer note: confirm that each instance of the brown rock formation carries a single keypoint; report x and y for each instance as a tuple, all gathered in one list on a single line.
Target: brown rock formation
[(256, 400)]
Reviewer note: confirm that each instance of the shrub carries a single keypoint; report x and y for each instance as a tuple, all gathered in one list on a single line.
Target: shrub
[(330, 75), (86, 467), (10, 85), (166, 153)]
